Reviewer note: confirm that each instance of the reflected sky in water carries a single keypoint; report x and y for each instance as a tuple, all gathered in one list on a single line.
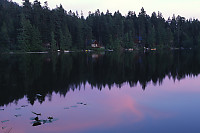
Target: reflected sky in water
[(168, 108), (100, 92)]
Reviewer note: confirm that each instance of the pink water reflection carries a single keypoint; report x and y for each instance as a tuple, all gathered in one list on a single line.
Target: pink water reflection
[(104, 110)]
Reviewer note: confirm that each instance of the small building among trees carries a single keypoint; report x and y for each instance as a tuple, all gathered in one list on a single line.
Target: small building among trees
[(95, 44)]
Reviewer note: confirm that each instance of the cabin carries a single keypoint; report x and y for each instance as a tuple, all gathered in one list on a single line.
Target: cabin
[(95, 44)]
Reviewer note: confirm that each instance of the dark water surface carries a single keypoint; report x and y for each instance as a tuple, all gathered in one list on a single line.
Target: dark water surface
[(155, 92)]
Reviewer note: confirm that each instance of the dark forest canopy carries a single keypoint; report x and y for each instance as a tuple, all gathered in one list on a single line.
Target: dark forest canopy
[(33, 27)]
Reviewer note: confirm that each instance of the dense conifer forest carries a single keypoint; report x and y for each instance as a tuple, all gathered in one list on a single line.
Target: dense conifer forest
[(36, 27)]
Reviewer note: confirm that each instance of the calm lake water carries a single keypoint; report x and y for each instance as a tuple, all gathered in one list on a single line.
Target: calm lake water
[(154, 92)]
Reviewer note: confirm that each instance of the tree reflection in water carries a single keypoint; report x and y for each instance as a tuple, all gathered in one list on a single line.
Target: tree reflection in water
[(38, 75)]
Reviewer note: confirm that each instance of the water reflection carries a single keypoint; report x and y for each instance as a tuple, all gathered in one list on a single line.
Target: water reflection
[(157, 109), (39, 75)]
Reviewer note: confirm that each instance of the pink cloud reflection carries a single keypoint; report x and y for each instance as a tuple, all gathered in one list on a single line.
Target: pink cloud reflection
[(108, 112), (105, 109)]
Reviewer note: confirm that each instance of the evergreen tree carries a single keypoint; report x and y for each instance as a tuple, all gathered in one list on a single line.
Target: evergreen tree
[(24, 35), (36, 42), (4, 38), (142, 24), (151, 36), (53, 42), (27, 9), (68, 38), (28, 36)]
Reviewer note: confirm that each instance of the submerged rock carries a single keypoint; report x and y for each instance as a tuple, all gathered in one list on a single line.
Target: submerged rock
[(50, 118), (4, 121), (18, 115), (37, 123), (36, 113), (24, 106), (4, 127)]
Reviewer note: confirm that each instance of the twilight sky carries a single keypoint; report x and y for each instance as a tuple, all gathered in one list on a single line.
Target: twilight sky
[(185, 8)]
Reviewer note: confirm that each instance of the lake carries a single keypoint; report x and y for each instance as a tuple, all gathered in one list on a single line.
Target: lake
[(108, 92)]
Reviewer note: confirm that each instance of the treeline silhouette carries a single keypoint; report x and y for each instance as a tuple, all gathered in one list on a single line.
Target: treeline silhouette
[(33, 27), (31, 74)]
